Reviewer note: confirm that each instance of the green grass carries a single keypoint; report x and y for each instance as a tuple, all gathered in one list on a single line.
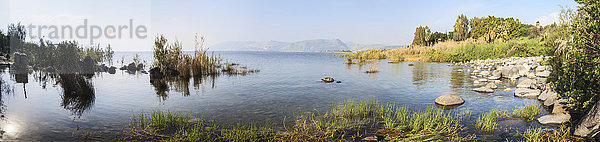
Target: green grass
[(473, 51), (487, 122), (562, 134), (349, 121), (529, 112)]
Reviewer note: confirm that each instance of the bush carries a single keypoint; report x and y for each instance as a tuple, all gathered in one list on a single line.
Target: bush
[(577, 63)]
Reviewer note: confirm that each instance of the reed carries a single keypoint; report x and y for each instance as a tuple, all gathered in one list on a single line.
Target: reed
[(487, 122), (202, 62), (529, 112)]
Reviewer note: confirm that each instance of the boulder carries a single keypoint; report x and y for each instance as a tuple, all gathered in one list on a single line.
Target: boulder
[(589, 125), (112, 70), (510, 72), (484, 73), (88, 66), (548, 96), (491, 85), (328, 79), (131, 67), (527, 83), (531, 75), (522, 70), (560, 106), (540, 68), (484, 89), (482, 80), (527, 93), (123, 68), (508, 89), (156, 73), (557, 118), (543, 74), (447, 100)]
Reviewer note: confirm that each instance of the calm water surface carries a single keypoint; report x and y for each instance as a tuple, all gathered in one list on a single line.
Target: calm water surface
[(288, 84)]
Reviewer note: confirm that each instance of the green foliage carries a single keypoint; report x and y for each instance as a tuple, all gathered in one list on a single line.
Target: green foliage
[(493, 28), (577, 63), (487, 122), (529, 112), (422, 36), (461, 28), (437, 37)]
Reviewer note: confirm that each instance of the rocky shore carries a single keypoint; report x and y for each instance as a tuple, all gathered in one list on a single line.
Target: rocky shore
[(529, 73)]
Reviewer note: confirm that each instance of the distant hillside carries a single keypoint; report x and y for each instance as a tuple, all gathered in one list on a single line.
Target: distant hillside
[(317, 45)]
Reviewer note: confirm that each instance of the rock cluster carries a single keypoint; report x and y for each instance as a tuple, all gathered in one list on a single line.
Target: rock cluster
[(532, 74)]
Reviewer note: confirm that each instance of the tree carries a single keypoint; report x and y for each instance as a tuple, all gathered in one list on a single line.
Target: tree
[(422, 36), (16, 37), (461, 28), (437, 37), (578, 74)]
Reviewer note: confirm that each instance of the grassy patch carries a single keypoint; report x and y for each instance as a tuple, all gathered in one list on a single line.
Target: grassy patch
[(562, 134), (529, 112), (487, 122), (352, 120)]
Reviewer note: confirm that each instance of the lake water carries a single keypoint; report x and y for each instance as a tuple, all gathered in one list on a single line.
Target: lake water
[(288, 84)]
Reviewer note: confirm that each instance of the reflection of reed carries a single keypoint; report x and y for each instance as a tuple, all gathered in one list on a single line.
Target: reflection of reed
[(78, 93), (182, 84)]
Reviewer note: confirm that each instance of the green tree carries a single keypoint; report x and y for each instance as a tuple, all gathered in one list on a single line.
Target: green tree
[(422, 36), (461, 28), (578, 74)]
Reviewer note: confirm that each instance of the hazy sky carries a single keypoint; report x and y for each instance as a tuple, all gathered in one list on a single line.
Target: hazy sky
[(362, 21)]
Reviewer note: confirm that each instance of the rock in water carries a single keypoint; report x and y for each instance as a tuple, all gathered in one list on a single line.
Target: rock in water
[(328, 79), (491, 85), (484, 89), (527, 93), (543, 74), (132, 67), (548, 96), (448, 100), (112, 70), (557, 118), (527, 83), (156, 73), (88, 65), (589, 125)]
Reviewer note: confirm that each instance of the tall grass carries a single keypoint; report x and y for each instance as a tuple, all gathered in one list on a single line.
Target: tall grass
[(529, 112), (451, 51), (202, 62)]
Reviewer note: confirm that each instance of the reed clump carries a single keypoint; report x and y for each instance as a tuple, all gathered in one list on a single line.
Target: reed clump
[(488, 122), (562, 134), (529, 112)]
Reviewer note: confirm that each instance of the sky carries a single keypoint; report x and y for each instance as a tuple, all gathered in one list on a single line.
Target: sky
[(390, 22)]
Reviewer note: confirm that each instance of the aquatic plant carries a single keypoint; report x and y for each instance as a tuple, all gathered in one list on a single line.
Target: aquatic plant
[(529, 112), (562, 134), (487, 122), (351, 120), (202, 62)]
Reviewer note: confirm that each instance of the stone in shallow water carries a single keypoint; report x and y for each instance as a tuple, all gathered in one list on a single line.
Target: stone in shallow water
[(447, 100), (484, 89), (527, 83), (527, 93), (557, 118), (543, 74), (491, 85)]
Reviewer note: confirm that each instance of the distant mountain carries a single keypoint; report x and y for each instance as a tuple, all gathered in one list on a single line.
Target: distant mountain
[(316, 45)]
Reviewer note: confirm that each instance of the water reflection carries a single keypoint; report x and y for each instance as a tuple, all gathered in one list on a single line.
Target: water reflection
[(78, 93)]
